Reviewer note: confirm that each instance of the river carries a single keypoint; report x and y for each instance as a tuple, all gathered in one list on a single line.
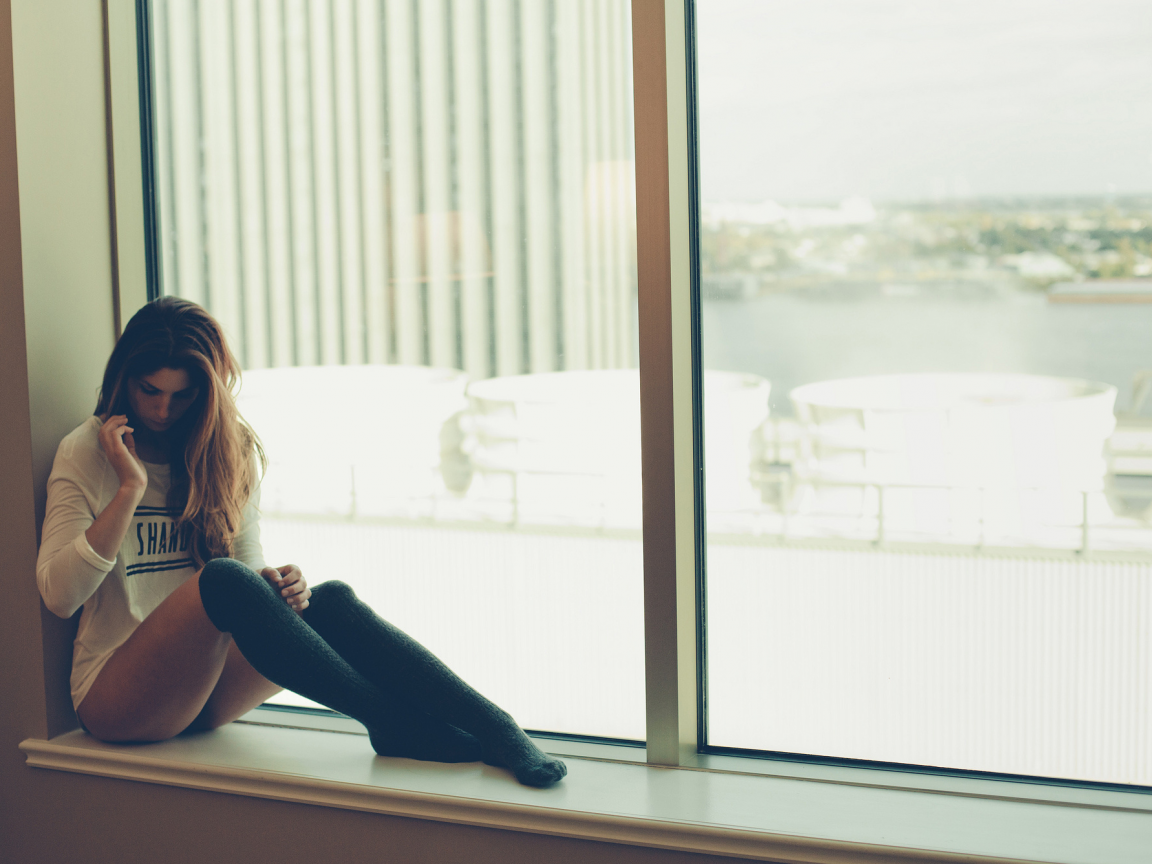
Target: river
[(792, 340)]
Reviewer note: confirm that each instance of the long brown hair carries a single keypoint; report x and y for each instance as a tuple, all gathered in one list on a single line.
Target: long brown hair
[(222, 457)]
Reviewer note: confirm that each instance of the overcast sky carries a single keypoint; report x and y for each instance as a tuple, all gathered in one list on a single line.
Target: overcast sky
[(817, 100)]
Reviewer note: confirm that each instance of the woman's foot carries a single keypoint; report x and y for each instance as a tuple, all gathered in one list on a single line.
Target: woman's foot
[(510, 748), (533, 769)]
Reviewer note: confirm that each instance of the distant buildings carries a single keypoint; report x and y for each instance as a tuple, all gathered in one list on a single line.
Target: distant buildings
[(1102, 291), (971, 248)]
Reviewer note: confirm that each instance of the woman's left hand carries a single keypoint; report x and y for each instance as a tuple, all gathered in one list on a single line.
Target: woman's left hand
[(289, 581)]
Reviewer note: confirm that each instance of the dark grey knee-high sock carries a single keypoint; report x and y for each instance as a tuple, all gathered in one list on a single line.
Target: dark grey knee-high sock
[(285, 650), (398, 664)]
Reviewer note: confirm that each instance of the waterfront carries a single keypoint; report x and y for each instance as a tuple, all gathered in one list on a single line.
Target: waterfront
[(793, 339)]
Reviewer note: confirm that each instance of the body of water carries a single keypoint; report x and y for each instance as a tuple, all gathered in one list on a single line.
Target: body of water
[(792, 340)]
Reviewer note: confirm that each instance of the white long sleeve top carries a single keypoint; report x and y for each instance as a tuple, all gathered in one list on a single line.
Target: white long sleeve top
[(153, 560)]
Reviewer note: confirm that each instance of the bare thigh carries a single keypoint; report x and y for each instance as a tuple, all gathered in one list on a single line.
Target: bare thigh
[(176, 667), (239, 689)]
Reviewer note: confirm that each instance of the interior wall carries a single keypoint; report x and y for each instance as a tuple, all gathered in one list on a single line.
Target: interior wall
[(55, 333), (61, 152)]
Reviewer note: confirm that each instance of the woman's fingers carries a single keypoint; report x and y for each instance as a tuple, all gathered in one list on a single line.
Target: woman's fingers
[(292, 590), (108, 429), (296, 595), (290, 576), (291, 573), (299, 602), (120, 447), (291, 584), (117, 431)]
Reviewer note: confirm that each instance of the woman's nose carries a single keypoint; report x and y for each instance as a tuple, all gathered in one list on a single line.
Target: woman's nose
[(162, 410)]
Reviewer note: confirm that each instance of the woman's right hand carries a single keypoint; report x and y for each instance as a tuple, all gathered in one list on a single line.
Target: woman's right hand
[(120, 448)]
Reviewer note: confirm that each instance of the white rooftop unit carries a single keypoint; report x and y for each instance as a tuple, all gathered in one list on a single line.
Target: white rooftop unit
[(564, 447), (953, 455), (352, 440)]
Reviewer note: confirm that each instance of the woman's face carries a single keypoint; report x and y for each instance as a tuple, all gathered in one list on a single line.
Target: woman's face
[(161, 398)]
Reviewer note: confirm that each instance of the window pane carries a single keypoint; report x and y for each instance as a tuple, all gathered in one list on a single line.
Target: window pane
[(415, 219), (929, 227)]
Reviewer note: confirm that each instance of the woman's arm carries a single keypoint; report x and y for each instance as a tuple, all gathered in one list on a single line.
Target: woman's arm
[(68, 570), (107, 532), (77, 550), (287, 580), (247, 548)]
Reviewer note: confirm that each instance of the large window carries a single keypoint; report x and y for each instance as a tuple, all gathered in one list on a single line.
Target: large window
[(929, 227), (924, 255), (416, 222)]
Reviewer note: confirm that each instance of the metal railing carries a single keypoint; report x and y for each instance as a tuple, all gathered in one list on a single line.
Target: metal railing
[(778, 522)]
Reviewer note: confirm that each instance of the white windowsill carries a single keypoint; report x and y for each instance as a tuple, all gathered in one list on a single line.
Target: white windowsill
[(727, 806)]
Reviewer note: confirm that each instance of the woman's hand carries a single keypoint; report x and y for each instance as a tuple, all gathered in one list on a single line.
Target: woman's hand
[(120, 448), (106, 534), (289, 581)]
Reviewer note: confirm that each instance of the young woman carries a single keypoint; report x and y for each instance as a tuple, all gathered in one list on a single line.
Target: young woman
[(152, 526)]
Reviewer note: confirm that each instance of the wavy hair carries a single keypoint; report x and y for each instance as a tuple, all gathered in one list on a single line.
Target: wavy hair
[(222, 456)]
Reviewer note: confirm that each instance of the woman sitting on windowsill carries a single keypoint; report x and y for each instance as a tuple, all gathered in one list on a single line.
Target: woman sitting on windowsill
[(152, 526)]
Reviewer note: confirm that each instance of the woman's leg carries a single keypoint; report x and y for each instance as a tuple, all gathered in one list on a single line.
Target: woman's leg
[(162, 677), (284, 649), (402, 667), (340, 653), (239, 689), (178, 670)]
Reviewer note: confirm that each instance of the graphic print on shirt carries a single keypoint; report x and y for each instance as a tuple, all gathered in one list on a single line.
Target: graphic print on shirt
[(157, 539)]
